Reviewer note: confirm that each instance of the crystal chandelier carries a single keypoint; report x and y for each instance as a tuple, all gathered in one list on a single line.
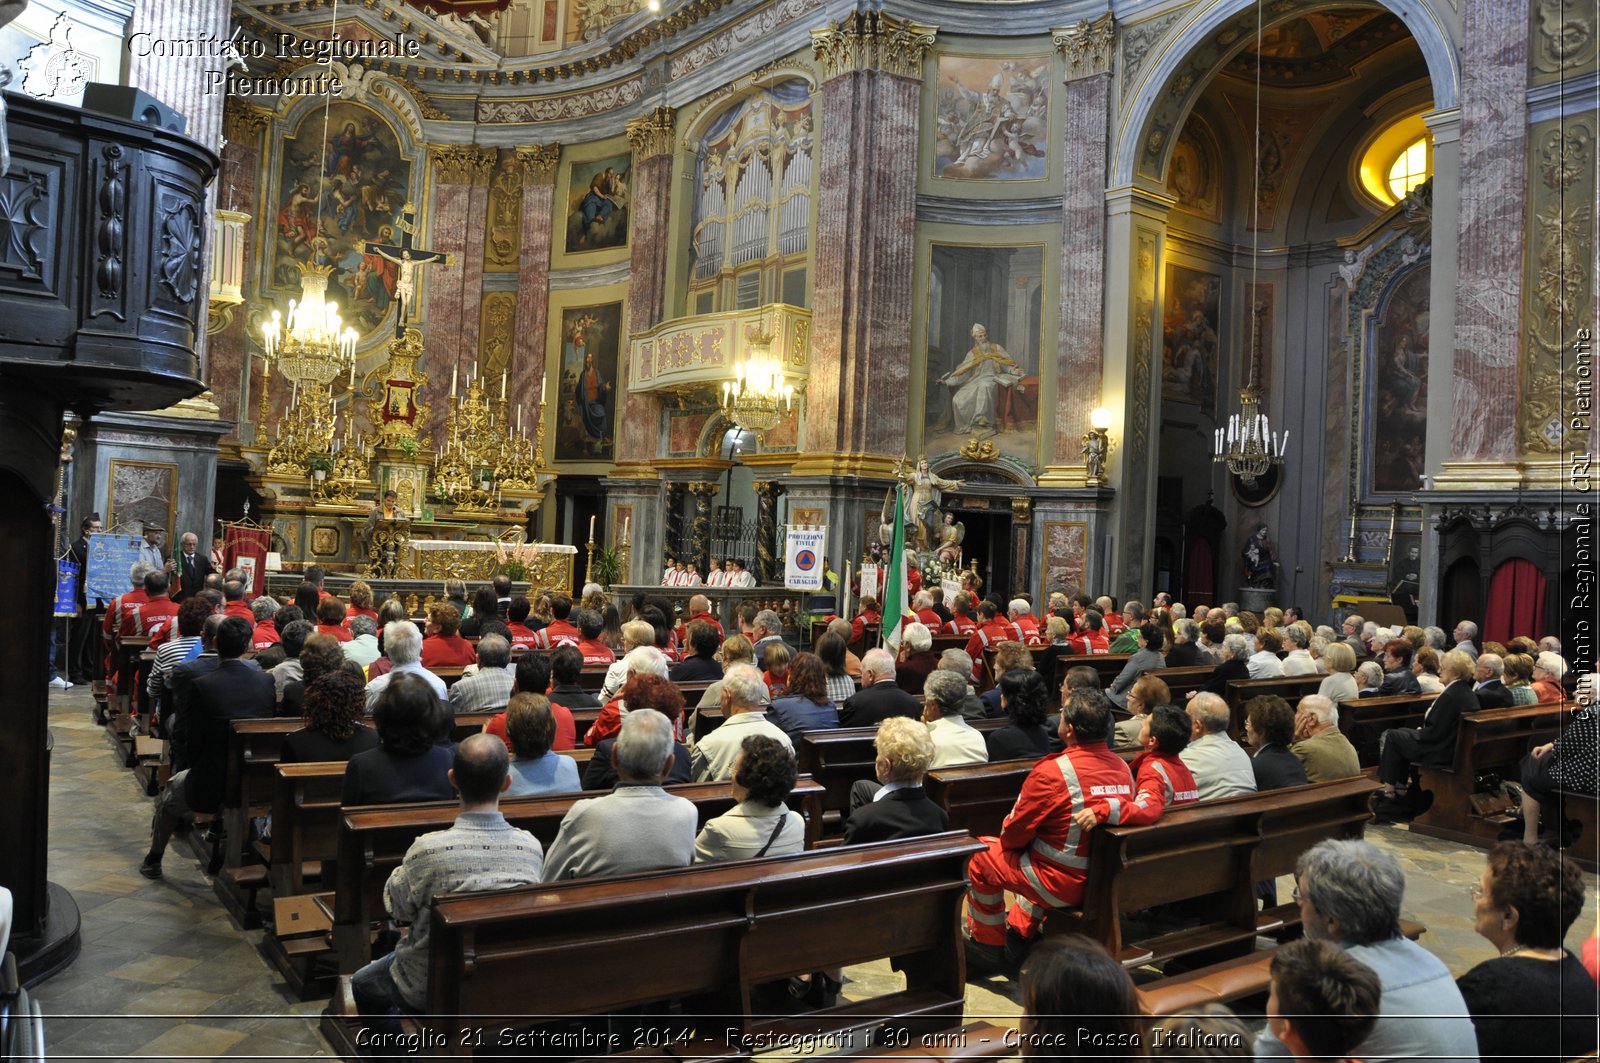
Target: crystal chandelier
[(312, 346), (1248, 446), (759, 386)]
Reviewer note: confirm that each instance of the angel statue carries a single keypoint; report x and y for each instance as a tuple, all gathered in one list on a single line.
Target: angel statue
[(922, 508), (951, 536)]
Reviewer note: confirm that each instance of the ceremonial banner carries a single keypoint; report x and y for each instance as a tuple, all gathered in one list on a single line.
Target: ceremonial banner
[(66, 587), (244, 547), (802, 557), (951, 588), (869, 581), (111, 559)]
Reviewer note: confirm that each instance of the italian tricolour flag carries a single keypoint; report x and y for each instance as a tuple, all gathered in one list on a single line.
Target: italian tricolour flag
[(895, 598)]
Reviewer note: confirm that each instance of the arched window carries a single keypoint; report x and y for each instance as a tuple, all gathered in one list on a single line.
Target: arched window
[(1396, 159), (751, 238)]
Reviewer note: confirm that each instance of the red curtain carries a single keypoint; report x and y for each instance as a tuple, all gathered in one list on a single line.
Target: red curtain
[(1200, 588), (1516, 602)]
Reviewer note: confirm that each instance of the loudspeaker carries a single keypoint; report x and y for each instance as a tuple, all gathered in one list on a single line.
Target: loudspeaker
[(124, 101)]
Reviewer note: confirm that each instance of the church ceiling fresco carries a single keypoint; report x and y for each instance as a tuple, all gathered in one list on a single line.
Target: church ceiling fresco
[(1319, 48)]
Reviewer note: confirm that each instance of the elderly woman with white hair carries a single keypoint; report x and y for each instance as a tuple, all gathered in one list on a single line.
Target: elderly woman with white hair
[(1369, 680), (1549, 669), (641, 660), (1340, 685), (1235, 665), (635, 633)]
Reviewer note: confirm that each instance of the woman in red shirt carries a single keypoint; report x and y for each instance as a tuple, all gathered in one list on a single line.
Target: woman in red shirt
[(443, 645), (360, 602), (330, 619)]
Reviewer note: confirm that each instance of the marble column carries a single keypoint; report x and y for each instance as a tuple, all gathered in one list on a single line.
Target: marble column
[(1493, 193), (190, 85), (672, 537), (700, 530), (460, 204), (538, 163), (858, 393), (639, 416), (229, 377), (1080, 360), (769, 565)]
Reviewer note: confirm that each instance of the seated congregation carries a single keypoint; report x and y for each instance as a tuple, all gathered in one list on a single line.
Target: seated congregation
[(1134, 779)]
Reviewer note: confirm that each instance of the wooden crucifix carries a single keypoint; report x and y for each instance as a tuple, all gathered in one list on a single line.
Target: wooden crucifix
[(409, 259)]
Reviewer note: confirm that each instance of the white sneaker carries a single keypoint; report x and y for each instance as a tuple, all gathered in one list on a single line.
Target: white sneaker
[(59, 684)]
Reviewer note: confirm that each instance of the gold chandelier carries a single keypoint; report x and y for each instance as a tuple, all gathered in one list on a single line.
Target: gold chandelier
[(312, 346), (759, 387)]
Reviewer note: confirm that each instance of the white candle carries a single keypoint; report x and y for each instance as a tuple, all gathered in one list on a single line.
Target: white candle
[(591, 529), (1284, 445), (453, 370), (519, 420), (352, 373), (626, 523), (542, 383), (502, 386)]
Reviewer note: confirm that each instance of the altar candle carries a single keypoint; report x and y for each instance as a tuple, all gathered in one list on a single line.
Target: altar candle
[(502, 386), (453, 370), (591, 529), (626, 521), (541, 391), (1283, 444), (352, 374)]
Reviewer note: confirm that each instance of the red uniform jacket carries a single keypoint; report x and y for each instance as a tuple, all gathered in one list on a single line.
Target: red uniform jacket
[(351, 612), (523, 635), (265, 635), (1090, 642), (1055, 851), (447, 650), (596, 652), (156, 620), (1115, 625), (1028, 624), (961, 625), (931, 619), (240, 609), (342, 633), (682, 632), (1159, 780), (858, 626), (557, 633), (566, 729), (992, 633)]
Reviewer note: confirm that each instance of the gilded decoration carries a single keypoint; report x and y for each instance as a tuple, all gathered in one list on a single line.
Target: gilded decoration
[(403, 414), (462, 164), (872, 40), (494, 334), (1562, 41), (1560, 278), (324, 540), (652, 135), (538, 162), (979, 450), (502, 245), (243, 124), (1087, 45)]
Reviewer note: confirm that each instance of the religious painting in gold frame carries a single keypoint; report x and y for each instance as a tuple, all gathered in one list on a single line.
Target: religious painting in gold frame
[(587, 386), (143, 493), (597, 203)]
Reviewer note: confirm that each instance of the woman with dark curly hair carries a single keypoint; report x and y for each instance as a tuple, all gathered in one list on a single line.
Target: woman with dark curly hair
[(1534, 1000), (414, 754), (759, 825), (805, 705), (643, 690), (1025, 697), (320, 655), (335, 728)]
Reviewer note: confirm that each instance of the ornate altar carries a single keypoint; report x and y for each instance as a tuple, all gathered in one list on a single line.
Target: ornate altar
[(387, 540), (550, 566)]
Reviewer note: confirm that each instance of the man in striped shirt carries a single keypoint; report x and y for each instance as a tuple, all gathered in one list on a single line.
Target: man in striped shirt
[(186, 647)]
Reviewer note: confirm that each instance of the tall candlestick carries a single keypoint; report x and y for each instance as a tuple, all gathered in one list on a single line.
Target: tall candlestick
[(591, 529)]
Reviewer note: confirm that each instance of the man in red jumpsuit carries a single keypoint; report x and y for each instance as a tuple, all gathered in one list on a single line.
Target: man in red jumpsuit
[(1042, 854)]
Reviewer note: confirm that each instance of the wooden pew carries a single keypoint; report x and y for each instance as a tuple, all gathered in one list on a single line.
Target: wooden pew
[(1489, 740), (1584, 810), (978, 797), (1290, 688), (1107, 665), (705, 935), (1180, 681), (837, 758), (372, 842), (1364, 720), (1215, 850), (254, 748)]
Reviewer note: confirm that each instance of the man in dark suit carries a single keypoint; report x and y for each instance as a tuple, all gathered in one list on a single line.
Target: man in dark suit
[(1491, 691), (702, 665), (191, 568), (879, 698), (1433, 744), (235, 690), (84, 660), (898, 808)]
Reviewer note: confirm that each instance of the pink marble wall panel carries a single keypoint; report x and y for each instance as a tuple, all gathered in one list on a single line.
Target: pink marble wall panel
[(858, 392), (533, 293), (445, 294), (1081, 355), (472, 270), (640, 416), (1494, 78)]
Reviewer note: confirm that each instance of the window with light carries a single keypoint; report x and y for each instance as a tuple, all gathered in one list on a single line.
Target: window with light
[(1396, 160)]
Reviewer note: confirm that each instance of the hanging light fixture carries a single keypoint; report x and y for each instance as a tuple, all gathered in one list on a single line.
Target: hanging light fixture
[(311, 346), (1248, 446), (752, 399)]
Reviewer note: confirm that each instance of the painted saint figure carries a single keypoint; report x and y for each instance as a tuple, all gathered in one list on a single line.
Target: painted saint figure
[(984, 383)]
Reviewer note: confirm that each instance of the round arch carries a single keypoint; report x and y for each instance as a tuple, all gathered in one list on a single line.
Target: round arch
[(737, 93), (1171, 81)]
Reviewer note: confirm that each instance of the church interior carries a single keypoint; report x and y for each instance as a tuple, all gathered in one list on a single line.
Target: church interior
[(1272, 304)]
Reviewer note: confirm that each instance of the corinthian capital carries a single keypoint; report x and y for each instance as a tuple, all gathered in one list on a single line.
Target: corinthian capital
[(1087, 45), (462, 164), (652, 134), (872, 40), (538, 162)]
